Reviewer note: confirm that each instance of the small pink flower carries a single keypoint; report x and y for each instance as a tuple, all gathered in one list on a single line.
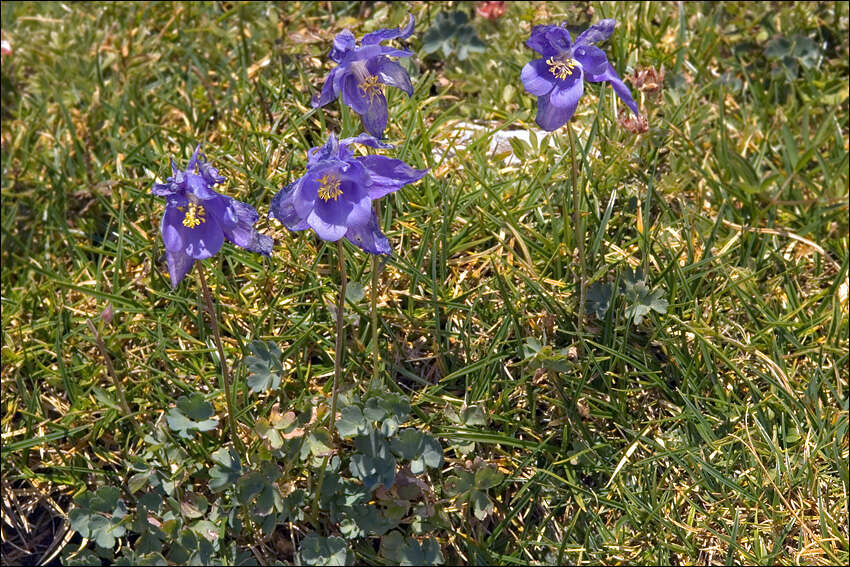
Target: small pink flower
[(490, 10), (5, 48), (634, 123), (648, 79)]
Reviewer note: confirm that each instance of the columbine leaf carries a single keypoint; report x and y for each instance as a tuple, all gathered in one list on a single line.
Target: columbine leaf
[(351, 422), (407, 444), (431, 455), (451, 31), (317, 550), (644, 301), (362, 521), (373, 463), (408, 551), (389, 427), (458, 484), (266, 431), (192, 413), (373, 411), (487, 477), (482, 506), (84, 557), (598, 299), (419, 448), (195, 407), (264, 367), (249, 485), (317, 443), (354, 292), (473, 415), (631, 278), (99, 516), (777, 48), (226, 470)]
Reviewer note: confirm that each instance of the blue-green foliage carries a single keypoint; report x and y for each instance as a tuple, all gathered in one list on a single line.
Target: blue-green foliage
[(381, 488), (451, 32), (264, 367), (99, 516), (188, 508), (317, 550), (791, 53), (192, 413), (408, 551), (544, 356), (640, 299), (472, 487)]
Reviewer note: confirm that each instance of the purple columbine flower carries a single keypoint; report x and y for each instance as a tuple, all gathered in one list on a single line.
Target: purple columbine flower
[(197, 219), (335, 196), (557, 79), (362, 71)]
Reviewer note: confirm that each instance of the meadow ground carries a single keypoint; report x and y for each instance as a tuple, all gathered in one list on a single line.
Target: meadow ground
[(697, 413)]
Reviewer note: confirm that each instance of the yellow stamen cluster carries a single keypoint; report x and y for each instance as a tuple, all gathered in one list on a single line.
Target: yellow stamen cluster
[(561, 68), (370, 86), (329, 187), (194, 216)]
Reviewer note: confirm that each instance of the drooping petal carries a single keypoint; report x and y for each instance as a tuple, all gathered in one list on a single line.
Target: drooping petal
[(536, 78), (283, 210), (549, 40), (382, 35), (353, 96), (360, 211), (551, 117), (369, 237), (172, 227), (224, 211), (343, 43), (390, 73), (376, 115), (179, 264), (305, 193), (204, 240), (243, 233), (387, 175), (593, 60), (611, 77), (329, 93), (600, 31)]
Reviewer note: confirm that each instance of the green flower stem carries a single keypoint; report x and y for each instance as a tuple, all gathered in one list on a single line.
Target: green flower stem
[(340, 348), (340, 335), (578, 224), (225, 374), (110, 369), (376, 355)]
